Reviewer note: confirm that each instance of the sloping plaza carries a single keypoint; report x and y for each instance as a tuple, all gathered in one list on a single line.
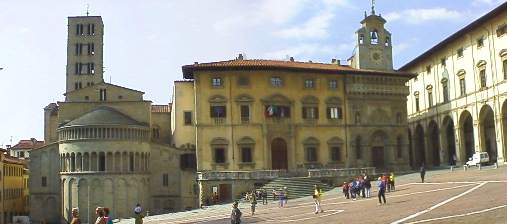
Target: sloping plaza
[(459, 196)]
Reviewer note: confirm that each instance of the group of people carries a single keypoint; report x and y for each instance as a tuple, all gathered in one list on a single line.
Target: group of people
[(282, 195), (361, 187), (103, 216)]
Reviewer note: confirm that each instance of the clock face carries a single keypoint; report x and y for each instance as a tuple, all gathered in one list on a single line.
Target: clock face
[(376, 57)]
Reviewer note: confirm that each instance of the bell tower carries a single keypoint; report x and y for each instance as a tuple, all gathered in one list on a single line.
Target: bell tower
[(84, 52), (373, 47)]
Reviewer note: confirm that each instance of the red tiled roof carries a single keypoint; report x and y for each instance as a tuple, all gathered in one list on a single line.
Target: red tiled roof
[(28, 144), (475, 24), (161, 108), (261, 64)]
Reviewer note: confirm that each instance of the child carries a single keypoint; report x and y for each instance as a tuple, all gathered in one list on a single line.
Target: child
[(235, 214)]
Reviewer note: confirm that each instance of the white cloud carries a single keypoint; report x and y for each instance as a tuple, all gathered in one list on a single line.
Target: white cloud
[(418, 16), (315, 27), (307, 49), (487, 2)]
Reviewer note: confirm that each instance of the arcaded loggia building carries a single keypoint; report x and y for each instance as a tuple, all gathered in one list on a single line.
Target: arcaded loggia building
[(106, 145), (253, 120), (457, 104)]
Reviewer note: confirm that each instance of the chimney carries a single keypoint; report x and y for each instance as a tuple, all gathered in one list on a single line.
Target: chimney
[(291, 59), (240, 57), (333, 61), (196, 63), (33, 140), (8, 146)]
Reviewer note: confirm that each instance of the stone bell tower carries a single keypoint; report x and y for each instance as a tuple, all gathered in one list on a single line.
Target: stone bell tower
[(373, 47)]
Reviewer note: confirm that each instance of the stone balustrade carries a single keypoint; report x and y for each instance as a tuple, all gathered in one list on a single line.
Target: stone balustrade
[(346, 172), (273, 174)]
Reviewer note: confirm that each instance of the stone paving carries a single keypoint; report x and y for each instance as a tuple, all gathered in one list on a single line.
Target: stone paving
[(473, 196)]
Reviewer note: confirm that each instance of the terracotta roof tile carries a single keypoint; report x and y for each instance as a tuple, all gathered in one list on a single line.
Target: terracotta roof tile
[(188, 70), (28, 144)]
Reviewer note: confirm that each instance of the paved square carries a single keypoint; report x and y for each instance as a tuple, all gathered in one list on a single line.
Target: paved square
[(472, 196)]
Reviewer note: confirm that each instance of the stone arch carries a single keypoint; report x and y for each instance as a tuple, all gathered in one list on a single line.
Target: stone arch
[(449, 140), (488, 132), (246, 141), (219, 141), (311, 141), (97, 193), (109, 195), (310, 100), (419, 150), (334, 100), (466, 126), (86, 161), (481, 63), (83, 197), (434, 143), (378, 143)]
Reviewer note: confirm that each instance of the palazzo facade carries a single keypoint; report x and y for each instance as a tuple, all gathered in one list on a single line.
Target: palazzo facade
[(254, 120), (457, 104)]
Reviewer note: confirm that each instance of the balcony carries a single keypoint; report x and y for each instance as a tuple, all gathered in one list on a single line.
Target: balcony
[(349, 172)]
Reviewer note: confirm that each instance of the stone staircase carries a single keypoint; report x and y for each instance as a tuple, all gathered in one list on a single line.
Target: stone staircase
[(297, 187)]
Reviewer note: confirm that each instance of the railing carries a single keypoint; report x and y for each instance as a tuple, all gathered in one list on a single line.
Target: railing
[(273, 174), (340, 172)]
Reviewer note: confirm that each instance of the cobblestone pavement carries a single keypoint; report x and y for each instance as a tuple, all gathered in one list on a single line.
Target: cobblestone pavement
[(473, 196)]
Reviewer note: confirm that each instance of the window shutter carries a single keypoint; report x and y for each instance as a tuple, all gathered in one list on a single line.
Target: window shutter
[(225, 111), (93, 29), (340, 113), (328, 113), (316, 113), (77, 29), (211, 114), (304, 112), (77, 69)]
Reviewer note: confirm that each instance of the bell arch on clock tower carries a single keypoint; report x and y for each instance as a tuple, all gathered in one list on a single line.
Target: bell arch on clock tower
[(373, 47)]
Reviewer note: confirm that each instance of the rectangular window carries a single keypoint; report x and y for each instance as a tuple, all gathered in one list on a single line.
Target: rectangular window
[(311, 154), (482, 74), (309, 84), (243, 81), (334, 113), (428, 69), (502, 29), (460, 52), (165, 180), (462, 86), (276, 82), (335, 153), (44, 182), (102, 161), (91, 48), (310, 113), (430, 99), (90, 68), (217, 111), (188, 161), (219, 155), (417, 104), (216, 82), (504, 63), (245, 113), (333, 84), (93, 29), (277, 111), (480, 42), (188, 117), (131, 162), (246, 155), (102, 95), (445, 90)]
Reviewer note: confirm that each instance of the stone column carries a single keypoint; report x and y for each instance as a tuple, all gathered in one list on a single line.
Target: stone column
[(499, 139), (477, 136)]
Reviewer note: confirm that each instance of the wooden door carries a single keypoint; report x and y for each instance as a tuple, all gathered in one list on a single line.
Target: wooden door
[(279, 155), (378, 157)]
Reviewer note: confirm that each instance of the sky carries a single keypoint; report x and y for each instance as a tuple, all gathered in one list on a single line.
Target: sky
[(146, 42)]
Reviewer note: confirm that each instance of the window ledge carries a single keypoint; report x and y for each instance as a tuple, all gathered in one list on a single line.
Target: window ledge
[(246, 164)]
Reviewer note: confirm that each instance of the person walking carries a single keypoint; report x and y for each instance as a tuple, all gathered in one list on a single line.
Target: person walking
[(391, 181), (75, 217), (285, 196), (317, 196), (281, 197), (235, 214), (381, 191), (345, 190), (273, 192), (367, 186), (264, 194), (99, 211), (253, 203), (423, 172), (138, 214)]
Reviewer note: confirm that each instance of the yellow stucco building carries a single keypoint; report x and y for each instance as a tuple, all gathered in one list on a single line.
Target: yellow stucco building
[(254, 120), (14, 187)]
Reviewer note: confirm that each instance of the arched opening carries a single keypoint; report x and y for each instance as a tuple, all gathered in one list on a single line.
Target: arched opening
[(377, 142), (488, 133), (467, 135), (449, 140), (410, 150), (434, 143), (279, 154), (420, 155)]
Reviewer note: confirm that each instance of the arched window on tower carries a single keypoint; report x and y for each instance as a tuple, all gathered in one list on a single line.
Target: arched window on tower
[(361, 38), (388, 42), (374, 37)]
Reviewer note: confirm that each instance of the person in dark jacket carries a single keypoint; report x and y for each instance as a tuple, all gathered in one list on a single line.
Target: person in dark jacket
[(423, 173), (235, 214), (345, 190), (381, 184)]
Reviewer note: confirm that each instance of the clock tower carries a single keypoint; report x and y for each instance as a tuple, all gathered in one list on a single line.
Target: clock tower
[(373, 47)]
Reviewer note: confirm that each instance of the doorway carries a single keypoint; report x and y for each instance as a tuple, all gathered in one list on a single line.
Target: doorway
[(279, 154), (377, 154)]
